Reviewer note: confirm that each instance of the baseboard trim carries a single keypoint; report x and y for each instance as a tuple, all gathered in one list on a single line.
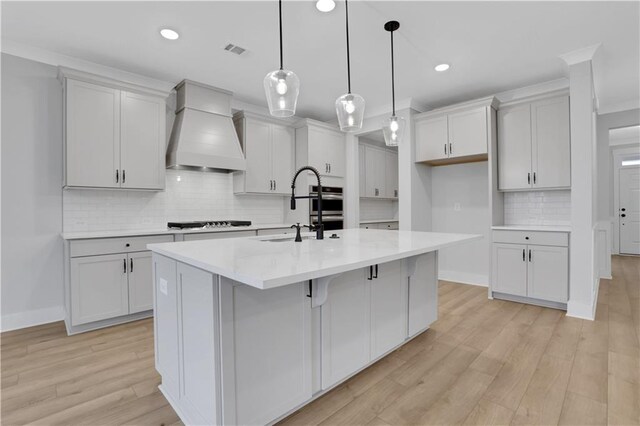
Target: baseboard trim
[(464, 278), (31, 318), (581, 310)]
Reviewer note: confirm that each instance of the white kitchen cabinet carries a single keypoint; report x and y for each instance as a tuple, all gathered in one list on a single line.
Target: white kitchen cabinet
[(218, 235), (375, 175), (548, 273), (362, 169), (273, 326), (510, 269), (269, 150), (391, 172), (114, 133), (321, 146), (99, 288), (140, 288), (346, 327), (388, 225), (423, 292), (534, 145), (388, 308), (455, 134)]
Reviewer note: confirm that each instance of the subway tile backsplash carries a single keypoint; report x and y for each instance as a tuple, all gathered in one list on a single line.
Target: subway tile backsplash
[(372, 209), (189, 195), (537, 208)]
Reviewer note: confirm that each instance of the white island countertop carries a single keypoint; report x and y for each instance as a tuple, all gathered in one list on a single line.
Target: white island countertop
[(265, 264)]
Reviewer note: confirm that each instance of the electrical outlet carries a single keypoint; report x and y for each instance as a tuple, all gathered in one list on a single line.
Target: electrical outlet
[(456, 207), (163, 286)]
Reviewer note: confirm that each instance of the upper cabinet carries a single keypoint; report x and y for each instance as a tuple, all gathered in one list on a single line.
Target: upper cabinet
[(534, 145), (378, 172), (269, 150), (321, 146), (456, 134), (114, 135)]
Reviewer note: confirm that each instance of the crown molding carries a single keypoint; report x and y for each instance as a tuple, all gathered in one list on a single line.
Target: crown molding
[(580, 55), (407, 103)]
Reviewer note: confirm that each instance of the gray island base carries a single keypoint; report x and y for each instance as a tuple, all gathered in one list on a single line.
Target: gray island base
[(249, 330)]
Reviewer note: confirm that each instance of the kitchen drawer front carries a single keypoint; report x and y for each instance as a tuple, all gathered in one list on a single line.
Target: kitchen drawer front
[(98, 246), (218, 235), (388, 225), (559, 239)]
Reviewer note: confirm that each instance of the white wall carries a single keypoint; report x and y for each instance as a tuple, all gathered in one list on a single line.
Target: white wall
[(32, 272), (466, 185)]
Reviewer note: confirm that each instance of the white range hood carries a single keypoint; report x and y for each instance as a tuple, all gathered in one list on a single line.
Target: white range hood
[(203, 134)]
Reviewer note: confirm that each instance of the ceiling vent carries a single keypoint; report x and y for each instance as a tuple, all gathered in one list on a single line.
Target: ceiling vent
[(234, 49)]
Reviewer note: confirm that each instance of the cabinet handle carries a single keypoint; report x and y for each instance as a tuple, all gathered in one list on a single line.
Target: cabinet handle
[(529, 255), (270, 185), (376, 275), (395, 193), (528, 178), (123, 176), (275, 185), (377, 192), (523, 254), (370, 277), (534, 178), (450, 148), (310, 289), (131, 265), (445, 149), (117, 176), (329, 167), (124, 265)]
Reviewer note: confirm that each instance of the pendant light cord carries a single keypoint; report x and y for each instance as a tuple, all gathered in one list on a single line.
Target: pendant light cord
[(280, 15), (346, 8), (393, 85)]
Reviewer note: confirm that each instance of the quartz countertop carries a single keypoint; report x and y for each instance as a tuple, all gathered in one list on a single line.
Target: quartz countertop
[(265, 264), (166, 231), (379, 221), (543, 228)]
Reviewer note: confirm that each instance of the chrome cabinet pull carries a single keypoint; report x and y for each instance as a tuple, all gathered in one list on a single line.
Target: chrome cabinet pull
[(329, 167), (450, 148), (376, 275), (275, 185), (529, 255), (445, 149), (370, 277)]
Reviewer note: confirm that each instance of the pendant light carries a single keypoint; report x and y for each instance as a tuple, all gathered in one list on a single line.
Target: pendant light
[(282, 86), (393, 127), (349, 107)]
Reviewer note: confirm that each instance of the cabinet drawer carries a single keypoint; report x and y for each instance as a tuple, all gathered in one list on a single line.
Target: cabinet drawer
[(388, 225), (218, 235), (97, 246), (560, 239)]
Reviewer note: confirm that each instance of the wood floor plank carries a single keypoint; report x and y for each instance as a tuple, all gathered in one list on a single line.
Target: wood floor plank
[(623, 403), (580, 410), (489, 413)]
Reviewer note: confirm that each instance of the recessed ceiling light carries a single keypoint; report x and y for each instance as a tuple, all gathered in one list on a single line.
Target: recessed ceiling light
[(169, 34), (442, 67), (325, 5)]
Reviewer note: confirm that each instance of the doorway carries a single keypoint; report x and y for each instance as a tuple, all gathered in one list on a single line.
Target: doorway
[(629, 211)]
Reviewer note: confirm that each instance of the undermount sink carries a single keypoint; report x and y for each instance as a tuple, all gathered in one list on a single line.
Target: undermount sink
[(289, 239)]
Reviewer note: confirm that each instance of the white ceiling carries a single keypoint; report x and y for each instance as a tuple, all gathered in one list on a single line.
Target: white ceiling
[(491, 46)]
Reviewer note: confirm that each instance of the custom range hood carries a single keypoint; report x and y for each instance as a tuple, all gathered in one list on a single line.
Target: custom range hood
[(203, 134)]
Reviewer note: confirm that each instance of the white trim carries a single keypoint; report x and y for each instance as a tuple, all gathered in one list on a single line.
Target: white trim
[(603, 231), (581, 310), (408, 103), (620, 106), (31, 318), (561, 84), (580, 55), (464, 278)]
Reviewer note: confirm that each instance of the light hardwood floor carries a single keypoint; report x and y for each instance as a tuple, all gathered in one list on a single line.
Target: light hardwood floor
[(482, 362)]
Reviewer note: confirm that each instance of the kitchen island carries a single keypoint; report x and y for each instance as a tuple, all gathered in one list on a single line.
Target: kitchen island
[(248, 330)]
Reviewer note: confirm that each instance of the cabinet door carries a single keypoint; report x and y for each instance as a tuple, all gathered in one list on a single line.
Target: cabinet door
[(388, 308), (326, 151), (92, 135), (468, 133), (551, 143), (257, 150), (336, 153), (362, 169), (432, 139), (98, 288), (375, 172), (140, 282), (509, 269), (142, 141), (423, 293), (391, 169), (514, 147), (266, 351), (548, 274), (282, 140), (345, 327)]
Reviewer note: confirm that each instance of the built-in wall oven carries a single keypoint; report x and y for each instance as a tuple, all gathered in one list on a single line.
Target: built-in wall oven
[(332, 207)]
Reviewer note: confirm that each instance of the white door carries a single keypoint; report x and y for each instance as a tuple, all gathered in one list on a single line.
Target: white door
[(282, 141), (375, 172), (388, 308), (468, 133), (362, 170), (551, 159), (257, 151), (514, 147), (423, 293), (266, 351), (140, 282), (345, 327), (548, 273), (432, 139), (99, 288), (630, 210), (92, 135), (391, 186), (142, 141), (510, 269)]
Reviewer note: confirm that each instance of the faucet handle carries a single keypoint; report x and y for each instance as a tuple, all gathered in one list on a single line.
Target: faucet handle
[(298, 236)]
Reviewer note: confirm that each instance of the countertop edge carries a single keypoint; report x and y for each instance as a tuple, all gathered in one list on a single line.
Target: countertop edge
[(533, 228)]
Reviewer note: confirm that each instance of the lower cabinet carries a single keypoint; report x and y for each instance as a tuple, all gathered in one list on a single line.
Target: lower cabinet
[(533, 271), (394, 225), (140, 287), (388, 308), (423, 292)]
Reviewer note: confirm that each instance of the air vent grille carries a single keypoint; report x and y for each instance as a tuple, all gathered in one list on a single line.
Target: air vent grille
[(234, 49)]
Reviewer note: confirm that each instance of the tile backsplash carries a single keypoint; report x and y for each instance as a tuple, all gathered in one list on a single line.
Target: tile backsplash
[(372, 209), (537, 208), (189, 195)]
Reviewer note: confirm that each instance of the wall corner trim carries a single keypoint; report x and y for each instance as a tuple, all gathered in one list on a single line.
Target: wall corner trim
[(580, 55)]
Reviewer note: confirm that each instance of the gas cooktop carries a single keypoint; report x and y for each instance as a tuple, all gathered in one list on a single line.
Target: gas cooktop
[(208, 224)]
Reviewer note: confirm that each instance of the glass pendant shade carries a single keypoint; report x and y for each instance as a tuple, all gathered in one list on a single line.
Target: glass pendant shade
[(350, 111), (393, 130), (282, 88)]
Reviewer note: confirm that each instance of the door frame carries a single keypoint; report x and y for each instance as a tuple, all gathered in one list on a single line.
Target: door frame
[(618, 154)]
